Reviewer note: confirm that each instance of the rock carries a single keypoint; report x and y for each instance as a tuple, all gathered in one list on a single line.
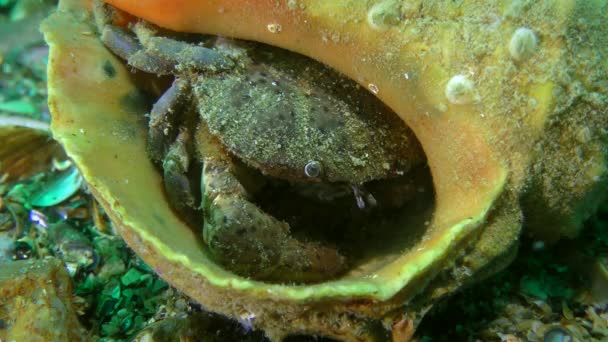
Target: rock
[(35, 302)]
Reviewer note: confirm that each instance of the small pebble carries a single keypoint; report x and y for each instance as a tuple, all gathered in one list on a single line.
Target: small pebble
[(557, 334)]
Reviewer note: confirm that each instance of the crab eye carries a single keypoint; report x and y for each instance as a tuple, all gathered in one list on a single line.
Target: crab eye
[(313, 169)]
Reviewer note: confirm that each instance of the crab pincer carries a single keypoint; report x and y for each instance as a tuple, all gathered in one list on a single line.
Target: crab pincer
[(248, 241)]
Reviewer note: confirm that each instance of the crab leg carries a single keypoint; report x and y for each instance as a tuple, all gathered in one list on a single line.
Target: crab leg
[(177, 185), (128, 48), (249, 242), (161, 55), (180, 54), (119, 41), (162, 118)]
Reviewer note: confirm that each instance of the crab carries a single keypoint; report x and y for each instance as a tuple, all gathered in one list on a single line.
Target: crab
[(235, 106)]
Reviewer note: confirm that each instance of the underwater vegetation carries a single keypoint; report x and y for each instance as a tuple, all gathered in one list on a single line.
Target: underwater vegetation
[(436, 146)]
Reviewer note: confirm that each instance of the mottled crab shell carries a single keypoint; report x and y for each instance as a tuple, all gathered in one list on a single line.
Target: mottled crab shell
[(508, 100)]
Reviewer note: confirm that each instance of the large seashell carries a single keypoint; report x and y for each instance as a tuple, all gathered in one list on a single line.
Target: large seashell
[(509, 103)]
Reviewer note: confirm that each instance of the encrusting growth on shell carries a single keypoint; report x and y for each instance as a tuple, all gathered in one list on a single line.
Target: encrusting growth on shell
[(460, 90), (523, 44), (383, 15)]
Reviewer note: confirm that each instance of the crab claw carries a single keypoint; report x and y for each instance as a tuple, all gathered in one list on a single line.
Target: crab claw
[(249, 242)]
